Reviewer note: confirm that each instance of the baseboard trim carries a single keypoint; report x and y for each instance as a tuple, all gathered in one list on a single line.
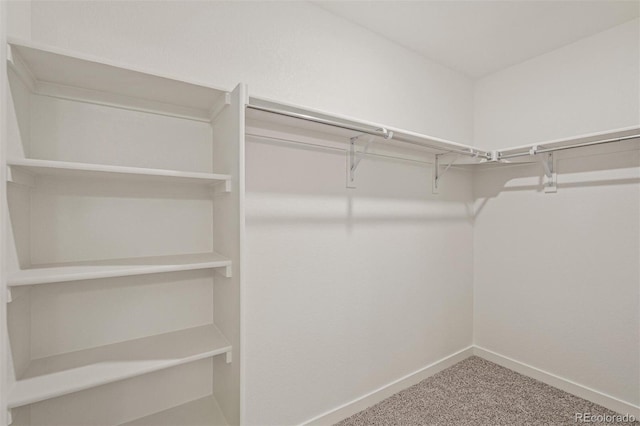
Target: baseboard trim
[(350, 408), (566, 385)]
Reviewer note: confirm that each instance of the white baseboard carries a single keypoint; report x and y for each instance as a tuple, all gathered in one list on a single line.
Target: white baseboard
[(350, 408), (589, 394)]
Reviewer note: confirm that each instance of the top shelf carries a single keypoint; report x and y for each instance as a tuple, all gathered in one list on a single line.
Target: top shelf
[(55, 72), (274, 115), (591, 139)]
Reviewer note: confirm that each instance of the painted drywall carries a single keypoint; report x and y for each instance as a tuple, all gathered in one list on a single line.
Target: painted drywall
[(557, 276), (588, 86), (18, 18), (348, 289), (290, 51)]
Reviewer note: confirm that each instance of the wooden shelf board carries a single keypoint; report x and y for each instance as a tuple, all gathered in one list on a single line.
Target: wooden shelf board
[(58, 70), (85, 170), (201, 412), (58, 375), (401, 137), (585, 138), (63, 272)]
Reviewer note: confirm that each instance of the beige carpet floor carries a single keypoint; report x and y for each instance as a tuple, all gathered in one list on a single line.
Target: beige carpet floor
[(478, 392)]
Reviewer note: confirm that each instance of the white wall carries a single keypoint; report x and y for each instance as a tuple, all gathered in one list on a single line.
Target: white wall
[(348, 290), (19, 18), (557, 276), (290, 51), (588, 86)]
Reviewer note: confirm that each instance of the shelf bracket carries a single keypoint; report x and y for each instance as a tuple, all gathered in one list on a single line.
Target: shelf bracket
[(9, 416), (437, 174), (228, 357), (354, 157), (222, 187), (16, 62), (549, 165), (219, 105), (20, 177), (13, 293), (225, 271)]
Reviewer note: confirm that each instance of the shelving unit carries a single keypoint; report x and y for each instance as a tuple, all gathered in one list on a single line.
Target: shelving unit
[(124, 193)]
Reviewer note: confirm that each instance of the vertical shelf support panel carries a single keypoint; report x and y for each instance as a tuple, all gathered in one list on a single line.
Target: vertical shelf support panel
[(5, 55), (228, 156)]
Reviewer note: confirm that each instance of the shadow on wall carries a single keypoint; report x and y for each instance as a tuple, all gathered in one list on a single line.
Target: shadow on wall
[(293, 184), (603, 166), (308, 184)]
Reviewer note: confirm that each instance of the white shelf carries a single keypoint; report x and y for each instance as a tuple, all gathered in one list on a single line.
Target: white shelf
[(56, 72), (84, 170), (400, 137), (201, 412), (59, 375), (62, 272), (580, 139)]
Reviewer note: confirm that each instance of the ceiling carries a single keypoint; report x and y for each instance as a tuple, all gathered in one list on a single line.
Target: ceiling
[(480, 37)]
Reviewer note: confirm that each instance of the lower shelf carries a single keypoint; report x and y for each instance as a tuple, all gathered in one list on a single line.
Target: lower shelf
[(74, 271), (58, 375), (201, 412)]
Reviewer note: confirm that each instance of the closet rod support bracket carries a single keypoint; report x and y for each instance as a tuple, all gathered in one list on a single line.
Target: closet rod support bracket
[(549, 165), (354, 157), (437, 174)]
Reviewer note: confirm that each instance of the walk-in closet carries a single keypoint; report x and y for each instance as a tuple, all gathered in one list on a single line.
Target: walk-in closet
[(319, 212)]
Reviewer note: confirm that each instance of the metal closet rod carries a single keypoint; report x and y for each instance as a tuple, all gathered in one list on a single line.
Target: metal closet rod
[(561, 148), (334, 148), (381, 132)]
